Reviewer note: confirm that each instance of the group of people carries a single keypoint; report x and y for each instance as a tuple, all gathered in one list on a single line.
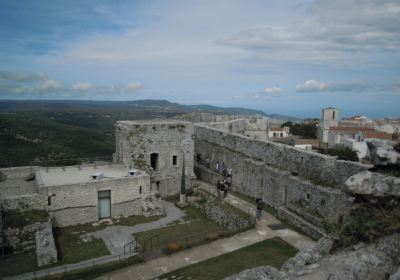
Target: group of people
[(222, 168), (224, 186)]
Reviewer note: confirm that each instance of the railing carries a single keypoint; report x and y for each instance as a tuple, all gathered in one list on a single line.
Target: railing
[(130, 249), (157, 243)]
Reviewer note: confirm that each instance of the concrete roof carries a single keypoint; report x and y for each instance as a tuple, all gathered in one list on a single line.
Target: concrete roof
[(59, 176), (141, 122)]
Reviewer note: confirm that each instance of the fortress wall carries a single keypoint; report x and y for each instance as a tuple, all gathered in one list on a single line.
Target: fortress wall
[(304, 186), (321, 169)]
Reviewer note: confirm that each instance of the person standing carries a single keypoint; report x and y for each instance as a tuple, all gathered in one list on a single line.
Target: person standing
[(259, 208)]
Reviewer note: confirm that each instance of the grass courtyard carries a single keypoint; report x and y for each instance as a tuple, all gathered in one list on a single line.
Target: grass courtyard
[(192, 230), (70, 246), (272, 252)]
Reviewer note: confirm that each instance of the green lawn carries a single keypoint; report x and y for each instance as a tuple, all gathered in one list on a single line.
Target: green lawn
[(19, 219), (272, 252), (16, 264), (135, 220), (72, 249), (194, 224)]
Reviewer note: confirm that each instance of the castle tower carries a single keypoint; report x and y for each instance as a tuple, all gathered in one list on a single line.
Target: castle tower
[(329, 118)]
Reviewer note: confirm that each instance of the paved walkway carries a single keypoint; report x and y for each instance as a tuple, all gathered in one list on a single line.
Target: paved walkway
[(115, 237), (157, 267)]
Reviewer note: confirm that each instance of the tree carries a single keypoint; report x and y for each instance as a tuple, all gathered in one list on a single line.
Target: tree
[(305, 130), (344, 153)]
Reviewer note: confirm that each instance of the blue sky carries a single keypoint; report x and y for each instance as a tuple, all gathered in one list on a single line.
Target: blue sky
[(287, 57)]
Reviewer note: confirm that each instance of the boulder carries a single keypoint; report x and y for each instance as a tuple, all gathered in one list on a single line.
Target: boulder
[(382, 153), (371, 183)]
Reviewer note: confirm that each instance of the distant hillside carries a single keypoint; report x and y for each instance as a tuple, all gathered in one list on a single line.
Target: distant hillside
[(77, 105), (52, 130)]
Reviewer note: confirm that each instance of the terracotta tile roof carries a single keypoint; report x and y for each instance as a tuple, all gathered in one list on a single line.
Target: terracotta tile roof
[(378, 135), (350, 129), (307, 141), (276, 129)]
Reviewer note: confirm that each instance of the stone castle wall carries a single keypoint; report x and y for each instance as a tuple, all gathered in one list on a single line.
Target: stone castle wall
[(136, 141), (306, 185)]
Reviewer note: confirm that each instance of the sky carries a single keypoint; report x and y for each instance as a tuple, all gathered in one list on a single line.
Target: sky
[(289, 57)]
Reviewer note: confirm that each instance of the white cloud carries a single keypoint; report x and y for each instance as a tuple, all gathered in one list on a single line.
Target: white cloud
[(312, 85), (48, 85), (268, 90), (83, 86), (334, 32), (318, 86), (134, 86)]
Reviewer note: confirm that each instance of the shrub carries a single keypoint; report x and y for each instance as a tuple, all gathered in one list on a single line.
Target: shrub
[(365, 224), (344, 153), (171, 248)]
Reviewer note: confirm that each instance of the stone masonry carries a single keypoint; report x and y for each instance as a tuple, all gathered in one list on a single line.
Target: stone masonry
[(46, 251), (158, 147), (305, 187)]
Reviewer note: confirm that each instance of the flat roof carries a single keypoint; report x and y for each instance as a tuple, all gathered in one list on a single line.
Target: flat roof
[(142, 122), (80, 174)]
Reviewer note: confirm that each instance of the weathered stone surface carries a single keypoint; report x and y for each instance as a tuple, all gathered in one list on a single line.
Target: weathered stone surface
[(222, 216), (375, 261), (382, 153), (309, 255), (46, 251), (259, 273), (152, 205), (22, 239), (370, 183), (168, 141), (396, 275), (25, 202)]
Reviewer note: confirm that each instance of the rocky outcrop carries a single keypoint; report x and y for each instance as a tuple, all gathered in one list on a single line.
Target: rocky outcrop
[(309, 255), (46, 252), (375, 261), (152, 205), (396, 275), (382, 153), (369, 183)]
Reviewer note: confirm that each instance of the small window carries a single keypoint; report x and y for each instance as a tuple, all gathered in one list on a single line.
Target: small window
[(333, 115), (154, 161), (323, 201), (308, 196), (140, 190), (158, 185), (174, 160)]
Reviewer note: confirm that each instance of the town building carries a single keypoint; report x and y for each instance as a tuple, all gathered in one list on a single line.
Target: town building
[(329, 118), (278, 132)]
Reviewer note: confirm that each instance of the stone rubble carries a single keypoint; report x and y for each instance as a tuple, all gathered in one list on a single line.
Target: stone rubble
[(369, 183)]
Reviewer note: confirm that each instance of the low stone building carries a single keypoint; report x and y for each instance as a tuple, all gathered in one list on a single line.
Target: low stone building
[(85, 194)]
